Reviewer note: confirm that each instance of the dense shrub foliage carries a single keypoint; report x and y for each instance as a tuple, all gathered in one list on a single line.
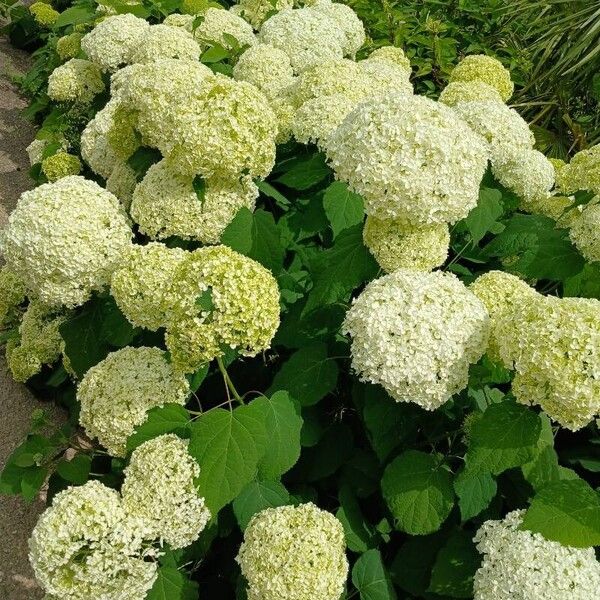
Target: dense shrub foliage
[(320, 337)]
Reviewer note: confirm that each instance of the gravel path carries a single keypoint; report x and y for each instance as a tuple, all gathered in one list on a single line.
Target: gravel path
[(16, 403)]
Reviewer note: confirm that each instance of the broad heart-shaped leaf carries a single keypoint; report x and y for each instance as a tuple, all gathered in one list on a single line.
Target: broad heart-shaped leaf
[(340, 269), (257, 496), (506, 436), (359, 535), (283, 425), (371, 579), (544, 467), (172, 584), (308, 374), (256, 235), (170, 418), (227, 444), (537, 249), (567, 512), (76, 470), (305, 173), (418, 491), (455, 566), (342, 207), (475, 491), (484, 217)]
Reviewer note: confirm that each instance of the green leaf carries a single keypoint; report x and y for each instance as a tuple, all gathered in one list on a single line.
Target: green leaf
[(342, 207), (142, 159), (359, 535), (257, 496), (484, 217), (455, 567), (418, 491), (268, 190), (536, 249), (204, 301), (74, 15), (32, 481), (227, 445), (199, 185), (308, 373), (505, 436), (567, 512), (76, 470), (371, 579), (475, 491), (544, 468), (238, 234), (305, 172), (283, 424), (215, 53), (170, 418), (172, 584), (341, 269)]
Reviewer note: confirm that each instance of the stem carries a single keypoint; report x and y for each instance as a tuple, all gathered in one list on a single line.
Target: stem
[(228, 381)]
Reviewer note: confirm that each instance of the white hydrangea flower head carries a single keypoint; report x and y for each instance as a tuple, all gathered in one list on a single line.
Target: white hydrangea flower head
[(35, 151), (220, 298), (230, 131), (160, 488), (469, 91), (141, 283), (112, 41), (585, 232), (121, 183), (309, 37), (117, 393), (165, 204), (160, 93), (96, 150), (392, 54), (555, 347), (162, 41), (527, 173), (386, 76), (502, 127), (582, 173), (317, 119), (266, 67), (294, 552), (398, 245), (184, 21), (77, 80), (64, 239), (479, 67), (77, 552), (522, 565), (502, 293), (424, 169), (39, 342), (348, 21), (416, 334), (257, 11), (284, 109), (218, 22)]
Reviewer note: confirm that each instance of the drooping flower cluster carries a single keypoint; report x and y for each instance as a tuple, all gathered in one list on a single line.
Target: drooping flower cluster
[(294, 552), (399, 245), (84, 546), (521, 565), (116, 394), (424, 169), (64, 239), (416, 334), (160, 490), (553, 345)]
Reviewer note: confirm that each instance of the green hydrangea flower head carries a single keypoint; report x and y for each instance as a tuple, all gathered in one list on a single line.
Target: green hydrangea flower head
[(294, 552), (582, 173), (221, 299), (468, 91), (391, 54), (61, 164), (44, 14), (69, 46), (77, 80), (12, 293), (396, 244), (487, 69)]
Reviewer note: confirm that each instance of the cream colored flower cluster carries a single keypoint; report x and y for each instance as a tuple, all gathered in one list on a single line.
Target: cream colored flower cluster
[(160, 490), (64, 239), (485, 69), (257, 11), (521, 565), (410, 158), (416, 334), (96, 543), (77, 80), (294, 552), (553, 345), (116, 394)]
